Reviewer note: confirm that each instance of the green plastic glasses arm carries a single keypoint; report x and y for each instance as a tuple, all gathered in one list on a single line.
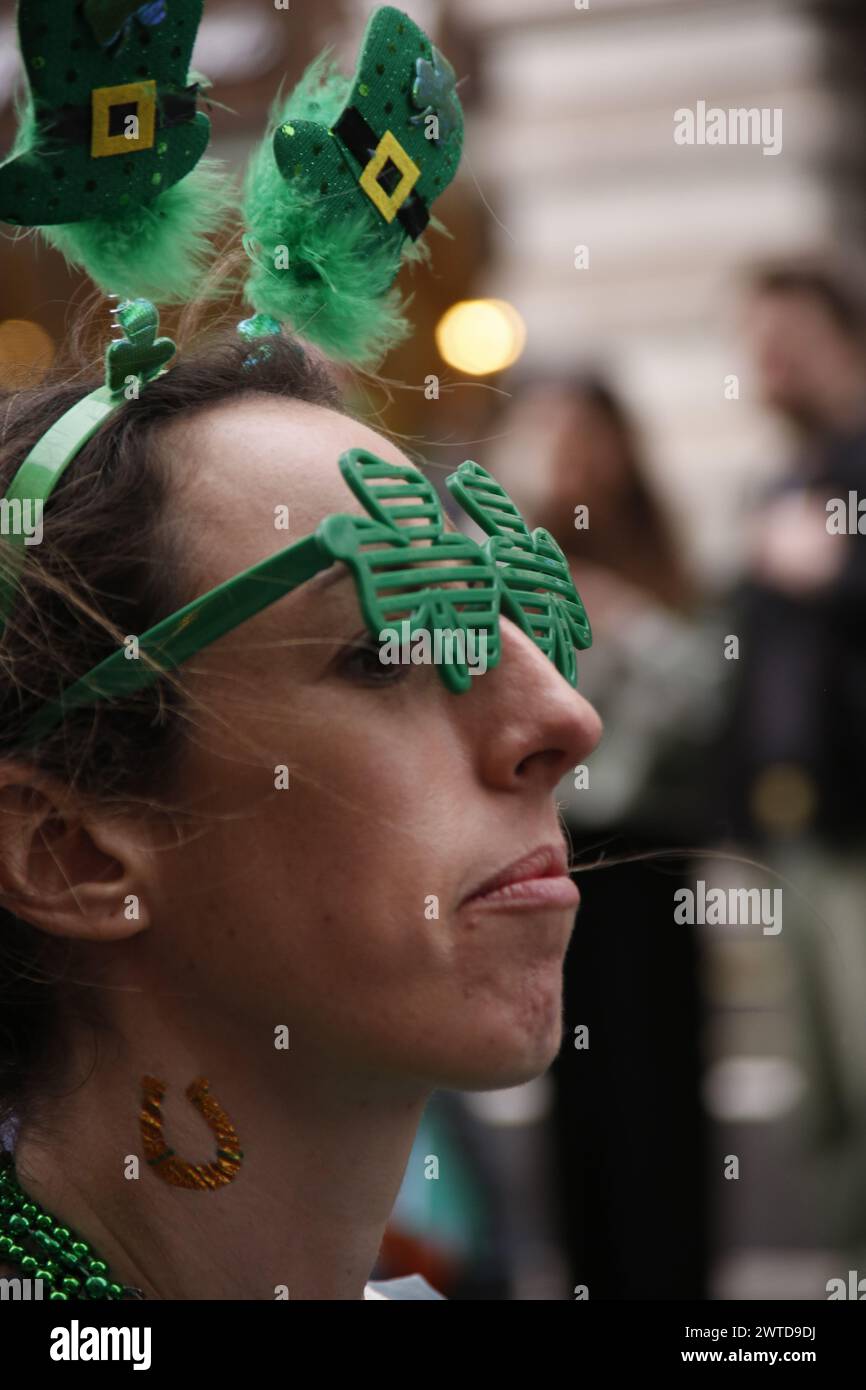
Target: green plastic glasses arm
[(178, 637), (396, 555)]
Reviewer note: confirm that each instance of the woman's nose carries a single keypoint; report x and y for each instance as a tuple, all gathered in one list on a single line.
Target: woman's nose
[(534, 725)]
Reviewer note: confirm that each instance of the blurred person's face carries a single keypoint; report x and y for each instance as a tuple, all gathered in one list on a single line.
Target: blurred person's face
[(807, 366), (589, 462)]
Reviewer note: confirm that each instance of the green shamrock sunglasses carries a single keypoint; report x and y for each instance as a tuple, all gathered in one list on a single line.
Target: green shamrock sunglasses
[(407, 567)]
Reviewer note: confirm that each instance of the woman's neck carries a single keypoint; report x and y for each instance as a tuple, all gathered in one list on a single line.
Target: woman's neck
[(324, 1152)]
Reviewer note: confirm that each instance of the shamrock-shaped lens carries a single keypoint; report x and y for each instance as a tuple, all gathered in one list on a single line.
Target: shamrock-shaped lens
[(411, 572)]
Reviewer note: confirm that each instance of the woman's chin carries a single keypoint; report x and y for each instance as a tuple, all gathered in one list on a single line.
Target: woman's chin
[(492, 1068)]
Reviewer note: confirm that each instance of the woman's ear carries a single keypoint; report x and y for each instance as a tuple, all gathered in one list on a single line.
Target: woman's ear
[(68, 866)]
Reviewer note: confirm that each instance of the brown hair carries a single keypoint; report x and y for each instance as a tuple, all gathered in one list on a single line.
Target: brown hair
[(109, 564), (841, 297), (644, 549)]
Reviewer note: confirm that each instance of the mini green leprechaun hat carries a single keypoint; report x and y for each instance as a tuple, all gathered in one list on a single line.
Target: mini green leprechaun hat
[(108, 137), (337, 197)]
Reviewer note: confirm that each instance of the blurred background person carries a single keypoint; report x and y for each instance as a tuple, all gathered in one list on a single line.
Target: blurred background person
[(793, 751), (796, 746)]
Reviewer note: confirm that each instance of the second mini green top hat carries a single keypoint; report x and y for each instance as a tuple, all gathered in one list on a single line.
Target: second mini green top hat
[(344, 187), (108, 132), (398, 137)]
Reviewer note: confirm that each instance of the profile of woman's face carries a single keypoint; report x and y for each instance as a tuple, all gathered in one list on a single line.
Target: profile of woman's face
[(337, 906)]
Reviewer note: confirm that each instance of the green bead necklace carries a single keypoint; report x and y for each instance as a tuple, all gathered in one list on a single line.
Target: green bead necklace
[(46, 1249)]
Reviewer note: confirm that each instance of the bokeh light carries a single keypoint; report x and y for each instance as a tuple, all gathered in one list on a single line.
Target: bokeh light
[(481, 336)]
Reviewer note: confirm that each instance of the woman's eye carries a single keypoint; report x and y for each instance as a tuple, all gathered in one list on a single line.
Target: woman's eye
[(361, 661)]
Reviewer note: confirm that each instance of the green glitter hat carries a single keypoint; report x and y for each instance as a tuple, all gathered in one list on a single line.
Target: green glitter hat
[(108, 138), (339, 193)]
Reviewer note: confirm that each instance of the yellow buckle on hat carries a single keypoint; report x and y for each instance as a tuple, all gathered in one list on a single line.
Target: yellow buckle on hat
[(142, 95), (389, 205)]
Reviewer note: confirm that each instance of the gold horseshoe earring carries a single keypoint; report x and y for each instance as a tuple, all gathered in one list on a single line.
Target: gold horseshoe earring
[(165, 1162)]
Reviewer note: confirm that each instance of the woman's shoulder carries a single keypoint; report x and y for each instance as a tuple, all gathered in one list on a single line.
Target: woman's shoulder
[(409, 1286)]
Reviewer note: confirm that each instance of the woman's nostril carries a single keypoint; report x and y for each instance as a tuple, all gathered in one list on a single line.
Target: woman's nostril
[(550, 760)]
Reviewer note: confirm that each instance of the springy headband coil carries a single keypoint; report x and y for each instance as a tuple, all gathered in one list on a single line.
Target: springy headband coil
[(395, 554)]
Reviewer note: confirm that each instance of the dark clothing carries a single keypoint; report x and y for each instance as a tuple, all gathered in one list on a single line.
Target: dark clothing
[(629, 1131), (801, 696)]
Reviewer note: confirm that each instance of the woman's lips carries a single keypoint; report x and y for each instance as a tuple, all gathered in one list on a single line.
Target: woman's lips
[(530, 892), (537, 880)]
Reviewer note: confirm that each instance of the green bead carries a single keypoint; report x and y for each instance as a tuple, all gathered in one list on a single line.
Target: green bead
[(62, 1254)]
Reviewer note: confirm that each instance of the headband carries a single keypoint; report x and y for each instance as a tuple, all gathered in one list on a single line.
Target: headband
[(130, 361)]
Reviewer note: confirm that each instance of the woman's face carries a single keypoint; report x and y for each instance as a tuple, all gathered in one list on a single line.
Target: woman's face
[(336, 906)]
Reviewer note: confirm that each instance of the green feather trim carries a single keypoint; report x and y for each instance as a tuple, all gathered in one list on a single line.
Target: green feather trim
[(160, 251), (337, 289)]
